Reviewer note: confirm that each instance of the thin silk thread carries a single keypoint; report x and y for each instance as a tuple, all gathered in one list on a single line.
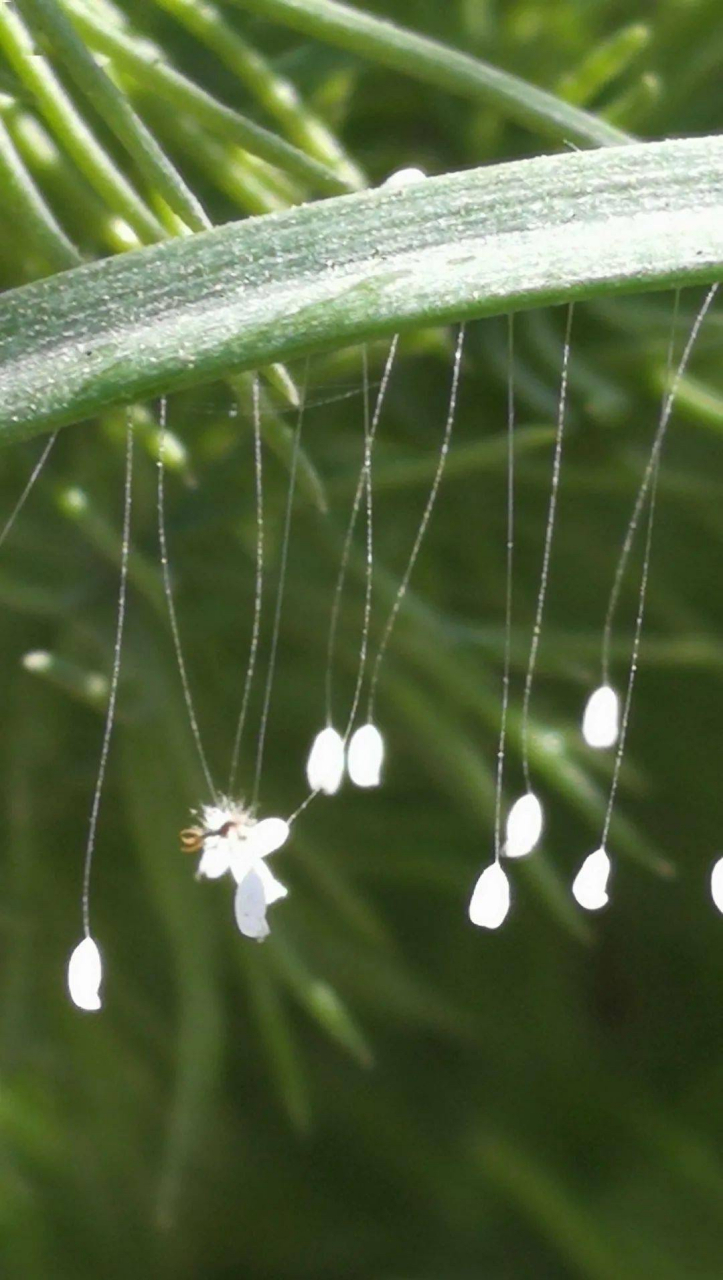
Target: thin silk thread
[(115, 674), (547, 552), (509, 565)]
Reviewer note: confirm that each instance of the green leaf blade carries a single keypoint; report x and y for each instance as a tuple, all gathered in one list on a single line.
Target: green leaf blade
[(512, 236)]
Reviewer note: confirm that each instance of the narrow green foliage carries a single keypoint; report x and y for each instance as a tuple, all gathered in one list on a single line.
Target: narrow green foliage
[(436, 64), (321, 1002), (25, 202), (276, 94), (271, 1020), (604, 64), (35, 71), (87, 213), (146, 63), (113, 106)]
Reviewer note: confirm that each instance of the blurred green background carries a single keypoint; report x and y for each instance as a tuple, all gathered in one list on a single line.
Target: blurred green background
[(380, 1090)]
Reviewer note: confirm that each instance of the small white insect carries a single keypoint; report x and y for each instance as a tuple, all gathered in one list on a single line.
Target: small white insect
[(230, 839), (365, 756), (716, 884), (325, 765), (85, 972), (490, 901), (223, 827), (591, 882), (601, 718), (524, 826)]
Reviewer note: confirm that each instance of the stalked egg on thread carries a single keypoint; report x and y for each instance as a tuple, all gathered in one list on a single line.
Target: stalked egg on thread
[(490, 901), (601, 718), (365, 756), (590, 885), (85, 972), (524, 826), (325, 765)]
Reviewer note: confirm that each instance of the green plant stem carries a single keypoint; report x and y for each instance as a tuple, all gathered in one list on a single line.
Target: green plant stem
[(48, 19), (484, 242), (436, 64), (23, 200), (145, 62), (275, 93), (71, 130)]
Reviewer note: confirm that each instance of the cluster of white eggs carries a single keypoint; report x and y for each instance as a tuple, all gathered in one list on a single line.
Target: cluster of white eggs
[(491, 899)]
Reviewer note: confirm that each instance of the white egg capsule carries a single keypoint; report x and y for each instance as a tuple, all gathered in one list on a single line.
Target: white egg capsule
[(85, 972), (490, 901), (404, 178), (716, 884), (601, 718), (590, 885), (325, 765), (524, 826), (365, 756)]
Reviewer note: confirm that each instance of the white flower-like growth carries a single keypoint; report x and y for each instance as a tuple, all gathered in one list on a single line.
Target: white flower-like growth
[(490, 901), (231, 839), (591, 882), (601, 718), (325, 765), (85, 972), (524, 826), (716, 884), (365, 756)]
